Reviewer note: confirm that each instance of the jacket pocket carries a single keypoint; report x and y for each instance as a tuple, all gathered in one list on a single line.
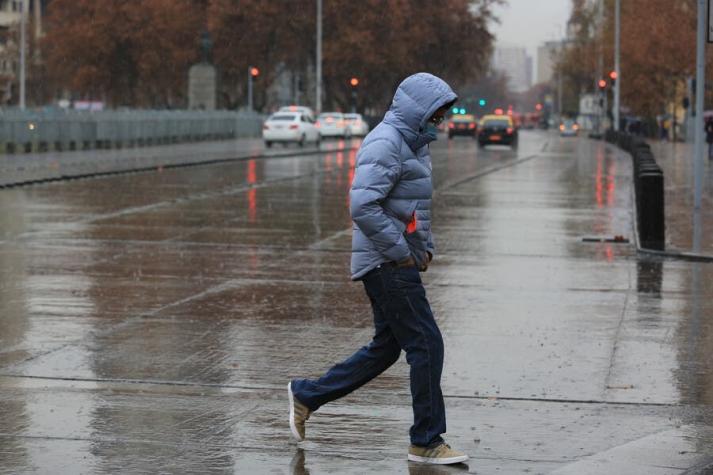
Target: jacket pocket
[(412, 225)]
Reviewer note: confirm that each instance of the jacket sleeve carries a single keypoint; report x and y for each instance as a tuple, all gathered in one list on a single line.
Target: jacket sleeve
[(378, 170)]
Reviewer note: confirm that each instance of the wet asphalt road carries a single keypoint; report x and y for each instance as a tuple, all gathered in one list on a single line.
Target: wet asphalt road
[(150, 322)]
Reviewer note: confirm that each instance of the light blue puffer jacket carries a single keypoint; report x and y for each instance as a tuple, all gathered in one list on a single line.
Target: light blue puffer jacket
[(391, 192)]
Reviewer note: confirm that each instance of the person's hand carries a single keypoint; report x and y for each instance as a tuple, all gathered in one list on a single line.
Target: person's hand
[(424, 266)]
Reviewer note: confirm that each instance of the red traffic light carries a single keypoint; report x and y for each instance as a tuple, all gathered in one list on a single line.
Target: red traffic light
[(354, 82), (602, 84), (538, 106), (613, 75), (254, 72)]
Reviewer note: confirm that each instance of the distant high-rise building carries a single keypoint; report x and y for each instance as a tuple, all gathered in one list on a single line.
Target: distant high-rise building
[(545, 60), (516, 64)]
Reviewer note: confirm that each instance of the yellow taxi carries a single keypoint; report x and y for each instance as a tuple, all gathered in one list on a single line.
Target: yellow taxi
[(497, 129), (463, 124)]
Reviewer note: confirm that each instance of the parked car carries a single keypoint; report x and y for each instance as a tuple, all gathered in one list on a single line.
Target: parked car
[(332, 124), (497, 129), (463, 124), (357, 125), (568, 128), (289, 127), (301, 109)]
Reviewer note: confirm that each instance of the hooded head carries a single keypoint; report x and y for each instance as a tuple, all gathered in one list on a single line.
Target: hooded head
[(417, 98)]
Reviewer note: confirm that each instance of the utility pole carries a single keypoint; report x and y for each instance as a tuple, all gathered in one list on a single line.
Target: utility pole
[(559, 93), (318, 92), (700, 91), (600, 68), (23, 27), (617, 68)]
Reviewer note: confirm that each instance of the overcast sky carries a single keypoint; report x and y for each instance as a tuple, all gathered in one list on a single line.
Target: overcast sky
[(529, 23)]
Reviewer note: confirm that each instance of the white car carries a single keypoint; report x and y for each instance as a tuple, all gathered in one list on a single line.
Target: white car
[(332, 124), (301, 109), (288, 127), (356, 124)]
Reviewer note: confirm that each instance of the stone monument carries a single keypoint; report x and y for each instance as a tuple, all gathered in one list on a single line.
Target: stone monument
[(202, 79)]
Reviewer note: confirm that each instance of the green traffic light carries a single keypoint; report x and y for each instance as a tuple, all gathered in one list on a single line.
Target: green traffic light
[(481, 102), (455, 110), (462, 111)]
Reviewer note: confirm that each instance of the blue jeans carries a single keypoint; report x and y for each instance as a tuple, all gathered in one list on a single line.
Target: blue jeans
[(402, 321)]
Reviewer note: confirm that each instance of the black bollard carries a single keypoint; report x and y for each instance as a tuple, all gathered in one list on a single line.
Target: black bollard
[(650, 209)]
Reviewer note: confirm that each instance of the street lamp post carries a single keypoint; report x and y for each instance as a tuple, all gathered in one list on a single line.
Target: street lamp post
[(318, 80), (617, 54), (700, 91), (600, 68), (23, 21)]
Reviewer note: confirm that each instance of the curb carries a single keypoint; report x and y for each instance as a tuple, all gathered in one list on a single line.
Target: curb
[(680, 255), (153, 168)]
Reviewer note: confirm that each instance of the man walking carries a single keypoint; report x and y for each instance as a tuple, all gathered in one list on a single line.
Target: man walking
[(391, 242), (709, 136)]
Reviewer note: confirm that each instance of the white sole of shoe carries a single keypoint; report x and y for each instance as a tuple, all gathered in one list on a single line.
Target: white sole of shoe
[(438, 461), (293, 428)]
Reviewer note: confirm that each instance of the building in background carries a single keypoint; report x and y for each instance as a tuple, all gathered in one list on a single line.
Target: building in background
[(546, 55), (516, 64)]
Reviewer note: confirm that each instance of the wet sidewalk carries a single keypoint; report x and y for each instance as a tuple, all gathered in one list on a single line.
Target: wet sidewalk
[(676, 160), (150, 322)]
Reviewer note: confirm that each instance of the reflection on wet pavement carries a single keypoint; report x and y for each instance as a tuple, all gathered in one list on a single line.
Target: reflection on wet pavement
[(150, 321)]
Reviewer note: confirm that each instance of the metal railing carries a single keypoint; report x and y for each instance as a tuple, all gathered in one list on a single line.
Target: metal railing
[(59, 129)]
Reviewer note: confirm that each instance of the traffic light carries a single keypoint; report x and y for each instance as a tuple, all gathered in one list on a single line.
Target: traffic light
[(538, 107), (455, 110), (602, 84), (354, 82), (482, 102), (462, 111), (254, 72), (612, 76)]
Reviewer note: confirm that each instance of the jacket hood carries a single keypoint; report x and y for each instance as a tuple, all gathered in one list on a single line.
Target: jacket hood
[(416, 100)]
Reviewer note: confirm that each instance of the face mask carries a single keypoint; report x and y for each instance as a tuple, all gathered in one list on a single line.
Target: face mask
[(430, 131)]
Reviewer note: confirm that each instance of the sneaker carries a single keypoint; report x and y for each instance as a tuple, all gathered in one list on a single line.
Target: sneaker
[(299, 413), (441, 454)]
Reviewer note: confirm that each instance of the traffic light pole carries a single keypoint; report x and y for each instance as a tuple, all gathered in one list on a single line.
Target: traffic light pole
[(250, 88)]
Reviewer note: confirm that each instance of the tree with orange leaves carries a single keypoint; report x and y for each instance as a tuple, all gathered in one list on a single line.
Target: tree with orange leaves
[(378, 41), (658, 44), (127, 53), (138, 53)]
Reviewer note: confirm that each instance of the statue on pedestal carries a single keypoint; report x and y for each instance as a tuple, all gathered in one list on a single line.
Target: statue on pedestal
[(202, 78)]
